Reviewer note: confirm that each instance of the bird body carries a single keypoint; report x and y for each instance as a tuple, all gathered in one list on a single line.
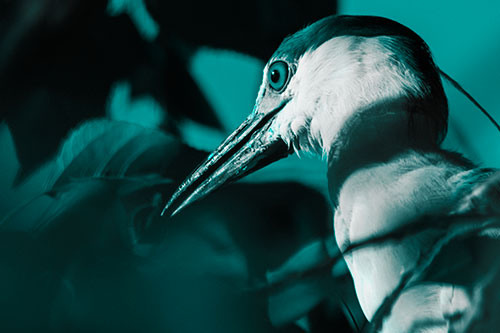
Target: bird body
[(365, 93), (381, 197)]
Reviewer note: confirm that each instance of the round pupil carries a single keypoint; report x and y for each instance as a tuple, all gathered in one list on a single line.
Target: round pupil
[(275, 76)]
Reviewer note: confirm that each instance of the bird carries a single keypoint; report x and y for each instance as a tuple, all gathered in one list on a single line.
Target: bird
[(364, 94)]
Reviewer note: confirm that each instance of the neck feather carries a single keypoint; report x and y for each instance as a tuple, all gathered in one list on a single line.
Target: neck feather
[(373, 137)]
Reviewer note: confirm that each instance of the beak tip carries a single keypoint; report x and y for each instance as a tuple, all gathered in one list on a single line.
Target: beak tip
[(246, 150), (176, 211), (163, 211), (167, 209), (172, 210)]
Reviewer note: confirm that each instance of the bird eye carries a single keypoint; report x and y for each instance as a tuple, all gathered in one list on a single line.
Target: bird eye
[(278, 75)]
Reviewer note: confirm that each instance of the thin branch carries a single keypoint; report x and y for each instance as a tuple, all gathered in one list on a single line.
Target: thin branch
[(415, 275)]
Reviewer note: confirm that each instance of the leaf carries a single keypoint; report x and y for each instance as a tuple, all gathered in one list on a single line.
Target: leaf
[(294, 294), (138, 13), (142, 110), (112, 148), (11, 196), (182, 93), (307, 258), (84, 211), (298, 299), (9, 164)]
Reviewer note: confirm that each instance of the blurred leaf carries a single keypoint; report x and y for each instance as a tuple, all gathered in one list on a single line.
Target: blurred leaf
[(78, 208), (9, 165), (180, 92), (295, 297), (138, 13), (142, 110), (111, 148), (299, 299), (304, 285), (305, 259), (10, 196)]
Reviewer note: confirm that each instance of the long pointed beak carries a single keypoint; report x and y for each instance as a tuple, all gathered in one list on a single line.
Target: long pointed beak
[(249, 148)]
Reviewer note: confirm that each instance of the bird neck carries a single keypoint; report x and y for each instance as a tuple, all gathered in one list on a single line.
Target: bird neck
[(373, 139)]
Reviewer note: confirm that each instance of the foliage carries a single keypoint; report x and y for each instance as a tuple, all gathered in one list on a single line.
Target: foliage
[(93, 235)]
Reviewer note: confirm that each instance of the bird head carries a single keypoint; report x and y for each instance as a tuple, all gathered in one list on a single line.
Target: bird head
[(342, 83)]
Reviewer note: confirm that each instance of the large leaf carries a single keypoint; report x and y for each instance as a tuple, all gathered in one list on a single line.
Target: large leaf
[(117, 149), (79, 210)]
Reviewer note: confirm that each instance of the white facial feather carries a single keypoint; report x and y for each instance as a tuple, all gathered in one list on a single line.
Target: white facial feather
[(334, 83)]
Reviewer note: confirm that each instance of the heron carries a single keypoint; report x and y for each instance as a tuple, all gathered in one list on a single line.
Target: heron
[(364, 93)]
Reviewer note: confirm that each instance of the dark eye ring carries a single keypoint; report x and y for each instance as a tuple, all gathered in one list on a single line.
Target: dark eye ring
[(278, 75)]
